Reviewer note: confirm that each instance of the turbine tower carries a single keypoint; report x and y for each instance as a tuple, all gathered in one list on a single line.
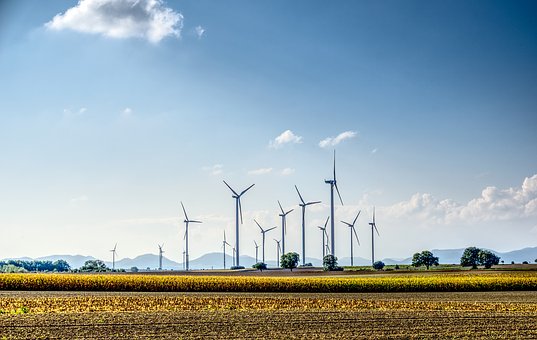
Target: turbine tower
[(256, 251), (333, 183), (325, 236), (114, 253), (238, 209), (224, 244), (373, 226), (263, 232), (278, 248), (160, 251), (303, 205), (353, 230), (187, 221), (283, 215)]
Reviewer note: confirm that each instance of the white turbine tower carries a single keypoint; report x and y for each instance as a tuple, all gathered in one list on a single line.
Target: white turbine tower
[(283, 215), (353, 230), (263, 232), (114, 253), (187, 221), (325, 237), (160, 252), (333, 184), (373, 229), (303, 205)]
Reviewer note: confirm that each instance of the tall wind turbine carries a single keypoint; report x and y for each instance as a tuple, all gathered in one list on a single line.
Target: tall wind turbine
[(353, 230), (333, 183), (187, 221), (256, 251), (278, 248), (160, 251), (325, 236), (224, 244), (114, 253), (303, 205), (283, 215), (263, 232), (373, 226), (238, 209)]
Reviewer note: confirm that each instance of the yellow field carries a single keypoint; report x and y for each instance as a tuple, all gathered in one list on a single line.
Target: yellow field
[(444, 282)]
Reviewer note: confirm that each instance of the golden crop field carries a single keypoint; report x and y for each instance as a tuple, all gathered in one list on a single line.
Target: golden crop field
[(121, 315), (448, 282)]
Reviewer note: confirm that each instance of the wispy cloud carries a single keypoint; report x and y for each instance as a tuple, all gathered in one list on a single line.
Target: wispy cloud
[(332, 141), (214, 170), (286, 137), (261, 171), (126, 113), (374, 151), (146, 19), (75, 201), (287, 172), (200, 31), (69, 113)]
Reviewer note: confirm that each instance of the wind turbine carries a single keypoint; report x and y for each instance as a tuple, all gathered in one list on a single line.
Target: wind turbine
[(224, 244), (256, 250), (160, 251), (325, 236), (114, 253), (234, 258), (187, 221), (238, 209), (283, 215), (373, 226), (278, 248), (303, 205), (263, 232), (333, 183), (353, 230)]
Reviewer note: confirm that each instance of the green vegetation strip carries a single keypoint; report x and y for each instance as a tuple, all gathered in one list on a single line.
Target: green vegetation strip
[(141, 283)]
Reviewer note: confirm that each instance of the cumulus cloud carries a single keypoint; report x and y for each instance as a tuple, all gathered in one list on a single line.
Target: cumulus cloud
[(494, 204), (146, 19), (333, 141), (287, 172), (214, 170), (286, 137), (200, 31), (261, 171)]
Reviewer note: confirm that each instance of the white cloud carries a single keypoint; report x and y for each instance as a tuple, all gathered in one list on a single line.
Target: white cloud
[(285, 137), (127, 112), (374, 151), (75, 201), (146, 19), (332, 141), (287, 172), (261, 171), (214, 170), (68, 113), (200, 31)]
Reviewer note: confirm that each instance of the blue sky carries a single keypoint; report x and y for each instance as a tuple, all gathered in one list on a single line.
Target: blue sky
[(110, 115)]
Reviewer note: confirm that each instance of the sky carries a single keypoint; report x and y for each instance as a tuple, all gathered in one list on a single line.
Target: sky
[(113, 112)]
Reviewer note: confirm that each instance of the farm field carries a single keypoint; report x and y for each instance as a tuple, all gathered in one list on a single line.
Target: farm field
[(98, 315)]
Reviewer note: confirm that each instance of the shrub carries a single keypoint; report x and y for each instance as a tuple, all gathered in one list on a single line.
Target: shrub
[(525, 262), (289, 260), (134, 269), (260, 266), (94, 266), (236, 267), (378, 265), (396, 266), (330, 263)]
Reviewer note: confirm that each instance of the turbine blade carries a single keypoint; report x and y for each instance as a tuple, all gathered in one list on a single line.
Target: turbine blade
[(283, 212), (348, 224), (115, 247), (194, 221), (325, 223), (355, 234), (337, 189), (233, 191), (240, 207), (374, 225), (353, 223), (245, 190), (373, 215), (224, 236), (334, 165), (299, 195), (259, 226), (314, 202), (255, 244), (184, 211), (289, 212), (269, 229)]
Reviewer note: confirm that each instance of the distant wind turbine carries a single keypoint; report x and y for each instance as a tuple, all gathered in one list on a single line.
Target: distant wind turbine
[(224, 244), (333, 184), (303, 205), (278, 249), (283, 215), (160, 251), (263, 232), (114, 253), (325, 236), (256, 251), (353, 230), (187, 221), (238, 209), (373, 226)]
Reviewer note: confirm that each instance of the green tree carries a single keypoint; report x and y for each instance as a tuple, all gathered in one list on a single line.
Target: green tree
[(260, 266), (94, 266), (330, 263), (289, 260), (378, 265), (425, 258), (61, 266), (488, 258), (134, 269), (470, 257)]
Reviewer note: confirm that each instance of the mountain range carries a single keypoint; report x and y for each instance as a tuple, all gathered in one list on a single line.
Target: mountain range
[(215, 260)]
